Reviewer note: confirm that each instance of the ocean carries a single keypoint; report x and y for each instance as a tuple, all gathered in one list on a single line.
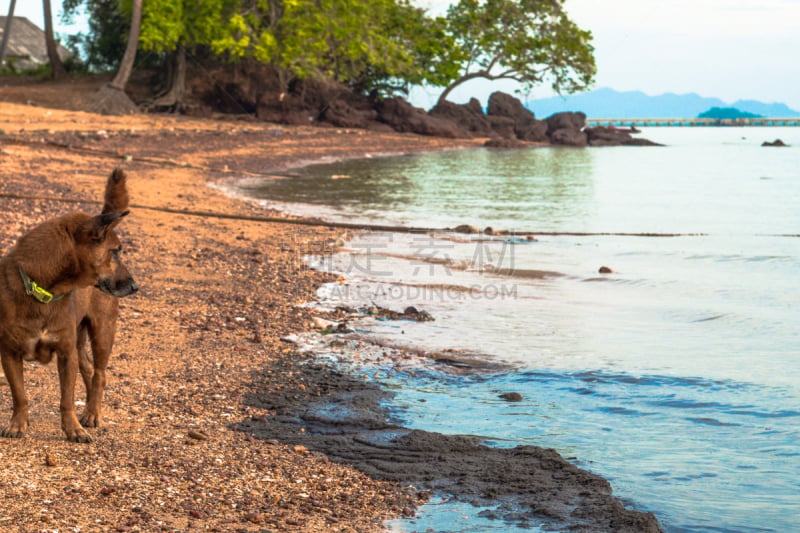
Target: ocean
[(676, 376)]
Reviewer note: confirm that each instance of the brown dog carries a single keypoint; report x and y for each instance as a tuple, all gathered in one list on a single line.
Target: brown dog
[(59, 286)]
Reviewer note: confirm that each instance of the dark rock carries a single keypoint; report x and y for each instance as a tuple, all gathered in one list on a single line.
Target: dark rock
[(409, 313), (341, 114), (466, 228), (641, 142), (611, 136), (776, 142), (346, 420), (512, 396), (606, 136), (566, 129), (412, 313), (567, 120), (533, 131), (316, 101), (568, 137), (605, 270), (468, 117), (503, 127), (287, 110), (505, 105), (526, 126), (404, 117), (475, 106)]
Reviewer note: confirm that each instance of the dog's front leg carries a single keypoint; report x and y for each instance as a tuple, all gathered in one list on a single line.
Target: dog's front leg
[(102, 343), (67, 374), (12, 366)]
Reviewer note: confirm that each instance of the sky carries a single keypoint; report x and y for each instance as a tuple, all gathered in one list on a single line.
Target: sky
[(32, 10), (729, 49)]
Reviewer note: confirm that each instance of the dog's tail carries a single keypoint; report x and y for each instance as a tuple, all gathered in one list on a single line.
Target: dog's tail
[(116, 197)]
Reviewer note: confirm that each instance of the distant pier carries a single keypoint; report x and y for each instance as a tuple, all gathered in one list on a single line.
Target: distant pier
[(690, 122)]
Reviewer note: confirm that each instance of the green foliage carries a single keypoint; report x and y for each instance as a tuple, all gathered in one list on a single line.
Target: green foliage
[(369, 45), (726, 113), (366, 44), (168, 24), (529, 41)]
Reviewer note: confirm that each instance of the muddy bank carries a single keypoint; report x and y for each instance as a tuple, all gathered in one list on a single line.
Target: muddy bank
[(342, 417)]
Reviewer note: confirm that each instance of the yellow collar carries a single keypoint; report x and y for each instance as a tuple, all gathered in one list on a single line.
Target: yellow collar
[(34, 289)]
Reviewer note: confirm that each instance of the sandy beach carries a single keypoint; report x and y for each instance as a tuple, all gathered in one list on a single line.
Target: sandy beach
[(185, 447)]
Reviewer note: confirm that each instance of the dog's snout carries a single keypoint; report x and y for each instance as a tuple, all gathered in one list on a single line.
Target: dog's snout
[(119, 288)]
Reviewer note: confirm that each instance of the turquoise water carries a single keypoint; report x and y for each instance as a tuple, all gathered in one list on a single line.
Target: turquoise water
[(677, 377)]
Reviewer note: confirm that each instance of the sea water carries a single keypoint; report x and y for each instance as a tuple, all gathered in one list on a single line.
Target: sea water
[(676, 376)]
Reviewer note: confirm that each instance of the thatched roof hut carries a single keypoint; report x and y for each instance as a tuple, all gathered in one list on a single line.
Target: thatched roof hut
[(26, 46)]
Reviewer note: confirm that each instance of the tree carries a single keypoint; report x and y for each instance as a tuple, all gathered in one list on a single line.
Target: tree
[(56, 65), (171, 27), (528, 41), (126, 66), (111, 99), (365, 44)]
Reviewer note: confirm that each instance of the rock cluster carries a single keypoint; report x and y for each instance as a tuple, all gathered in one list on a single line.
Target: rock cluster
[(776, 142), (505, 122)]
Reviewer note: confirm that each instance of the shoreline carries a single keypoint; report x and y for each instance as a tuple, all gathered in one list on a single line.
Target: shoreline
[(525, 485), (195, 346)]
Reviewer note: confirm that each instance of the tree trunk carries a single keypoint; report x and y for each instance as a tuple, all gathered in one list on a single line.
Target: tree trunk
[(172, 99), (111, 99), (7, 30), (59, 72), (126, 66)]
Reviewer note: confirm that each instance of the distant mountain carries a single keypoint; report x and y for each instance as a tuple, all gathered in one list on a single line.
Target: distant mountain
[(765, 110), (608, 103)]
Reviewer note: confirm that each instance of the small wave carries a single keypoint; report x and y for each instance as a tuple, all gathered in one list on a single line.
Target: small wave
[(711, 422), (787, 413), (690, 404), (739, 258), (603, 377), (525, 273), (621, 411), (707, 319)]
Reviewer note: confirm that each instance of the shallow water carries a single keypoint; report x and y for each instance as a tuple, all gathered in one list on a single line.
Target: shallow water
[(677, 377)]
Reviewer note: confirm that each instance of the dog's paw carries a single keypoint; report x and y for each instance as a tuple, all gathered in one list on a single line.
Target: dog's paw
[(12, 433), (15, 429), (90, 420), (78, 434)]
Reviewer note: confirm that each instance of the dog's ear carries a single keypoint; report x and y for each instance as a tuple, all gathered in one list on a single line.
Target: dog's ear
[(96, 228), (116, 196)]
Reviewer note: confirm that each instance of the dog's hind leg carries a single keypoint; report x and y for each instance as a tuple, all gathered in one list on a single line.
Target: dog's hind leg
[(84, 360), (12, 366)]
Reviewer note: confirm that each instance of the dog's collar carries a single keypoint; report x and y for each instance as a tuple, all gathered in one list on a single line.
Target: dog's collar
[(38, 292)]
